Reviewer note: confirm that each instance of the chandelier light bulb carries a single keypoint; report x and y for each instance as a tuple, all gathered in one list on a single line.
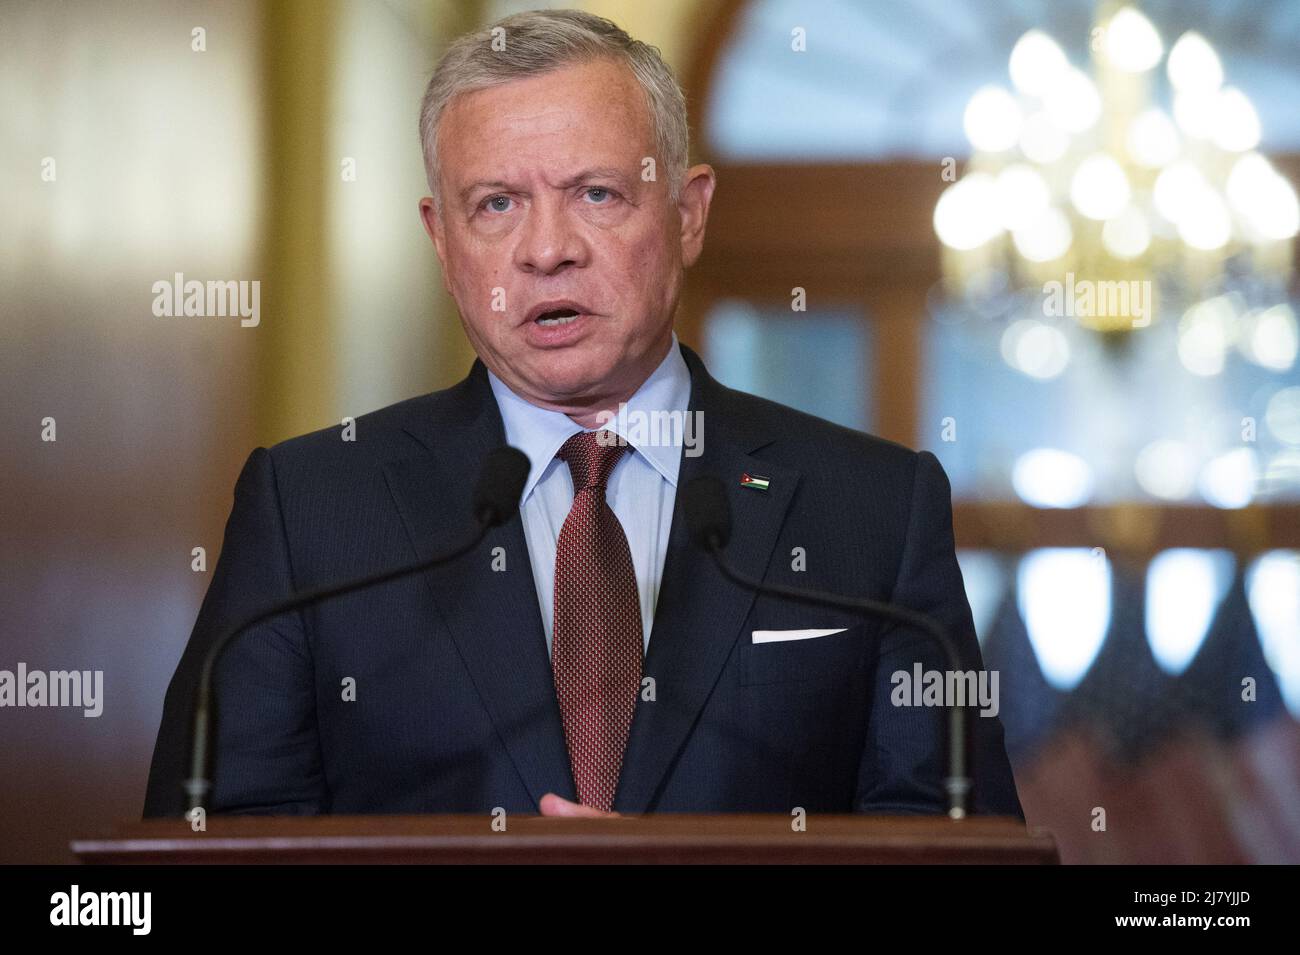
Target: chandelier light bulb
[(1206, 224), (992, 120), (1131, 43), (1127, 235), (1099, 188), (1035, 348), (1037, 62), (1049, 477), (1073, 104), (1246, 183), (1041, 140), (1177, 187), (1193, 65), (1235, 127), (1196, 113), (1204, 335), (966, 215), (1166, 469), (1263, 198), (1282, 415), (1229, 480), (1279, 219), (1046, 238), (1153, 139), (1022, 195), (1272, 338)]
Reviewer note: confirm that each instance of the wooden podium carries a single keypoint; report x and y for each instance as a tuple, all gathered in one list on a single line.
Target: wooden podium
[(665, 838)]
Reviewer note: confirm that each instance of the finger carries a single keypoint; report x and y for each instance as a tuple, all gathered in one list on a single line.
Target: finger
[(553, 805)]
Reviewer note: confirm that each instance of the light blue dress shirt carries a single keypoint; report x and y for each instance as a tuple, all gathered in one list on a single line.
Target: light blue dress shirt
[(641, 490)]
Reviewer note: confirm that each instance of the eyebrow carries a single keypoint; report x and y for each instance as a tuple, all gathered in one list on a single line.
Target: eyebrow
[(586, 175), (599, 172)]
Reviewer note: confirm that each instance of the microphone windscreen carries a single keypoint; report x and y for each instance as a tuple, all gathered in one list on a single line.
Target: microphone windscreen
[(500, 485), (708, 515)]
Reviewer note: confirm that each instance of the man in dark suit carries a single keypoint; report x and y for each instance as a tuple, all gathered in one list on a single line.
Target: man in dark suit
[(586, 657)]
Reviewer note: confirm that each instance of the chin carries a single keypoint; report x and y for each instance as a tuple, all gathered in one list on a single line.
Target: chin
[(565, 375)]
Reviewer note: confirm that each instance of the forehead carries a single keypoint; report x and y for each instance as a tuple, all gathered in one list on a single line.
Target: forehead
[(583, 110)]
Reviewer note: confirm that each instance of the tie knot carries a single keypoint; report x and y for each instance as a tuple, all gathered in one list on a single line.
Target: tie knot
[(591, 459)]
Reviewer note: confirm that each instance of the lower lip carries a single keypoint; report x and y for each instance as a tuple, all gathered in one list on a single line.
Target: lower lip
[(556, 336)]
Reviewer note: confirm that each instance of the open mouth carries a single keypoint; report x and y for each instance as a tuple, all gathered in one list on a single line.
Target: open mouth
[(559, 316)]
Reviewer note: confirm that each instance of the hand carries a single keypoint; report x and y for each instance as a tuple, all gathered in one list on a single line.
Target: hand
[(553, 805)]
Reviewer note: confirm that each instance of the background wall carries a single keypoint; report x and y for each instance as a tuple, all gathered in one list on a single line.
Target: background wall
[(276, 142)]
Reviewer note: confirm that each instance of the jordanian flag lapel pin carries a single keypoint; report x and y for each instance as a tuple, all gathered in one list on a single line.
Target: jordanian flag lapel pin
[(754, 481)]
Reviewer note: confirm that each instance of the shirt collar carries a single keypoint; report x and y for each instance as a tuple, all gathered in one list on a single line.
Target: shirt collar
[(540, 433)]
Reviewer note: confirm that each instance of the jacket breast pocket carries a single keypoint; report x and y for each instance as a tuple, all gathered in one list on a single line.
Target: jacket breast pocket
[(818, 659)]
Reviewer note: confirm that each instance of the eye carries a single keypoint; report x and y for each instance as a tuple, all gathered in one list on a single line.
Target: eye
[(496, 203), (598, 195)]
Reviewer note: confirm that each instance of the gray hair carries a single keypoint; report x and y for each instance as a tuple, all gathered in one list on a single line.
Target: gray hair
[(539, 41)]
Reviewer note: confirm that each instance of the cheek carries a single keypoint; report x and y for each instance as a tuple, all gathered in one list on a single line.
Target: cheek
[(474, 276), (653, 262)]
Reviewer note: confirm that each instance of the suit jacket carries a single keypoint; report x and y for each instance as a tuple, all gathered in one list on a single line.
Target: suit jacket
[(453, 705)]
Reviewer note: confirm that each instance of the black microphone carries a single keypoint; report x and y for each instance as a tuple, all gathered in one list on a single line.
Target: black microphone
[(496, 498), (708, 519)]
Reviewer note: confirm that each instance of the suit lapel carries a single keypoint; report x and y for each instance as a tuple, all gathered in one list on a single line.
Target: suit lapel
[(493, 616), (700, 613)]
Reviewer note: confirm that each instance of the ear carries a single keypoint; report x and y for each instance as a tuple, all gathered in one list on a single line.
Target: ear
[(433, 225), (693, 208)]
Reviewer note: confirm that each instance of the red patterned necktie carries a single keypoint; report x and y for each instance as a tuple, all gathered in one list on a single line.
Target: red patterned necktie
[(597, 639)]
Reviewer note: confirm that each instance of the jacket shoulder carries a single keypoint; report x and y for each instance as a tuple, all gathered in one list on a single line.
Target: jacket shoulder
[(804, 438), (368, 441)]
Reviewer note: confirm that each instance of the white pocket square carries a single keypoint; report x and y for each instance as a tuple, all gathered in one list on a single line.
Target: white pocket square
[(778, 636)]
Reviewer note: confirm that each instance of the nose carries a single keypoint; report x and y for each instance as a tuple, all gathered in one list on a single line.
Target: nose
[(548, 241)]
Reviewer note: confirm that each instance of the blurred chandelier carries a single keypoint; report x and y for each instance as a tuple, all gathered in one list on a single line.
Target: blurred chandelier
[(1087, 180)]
